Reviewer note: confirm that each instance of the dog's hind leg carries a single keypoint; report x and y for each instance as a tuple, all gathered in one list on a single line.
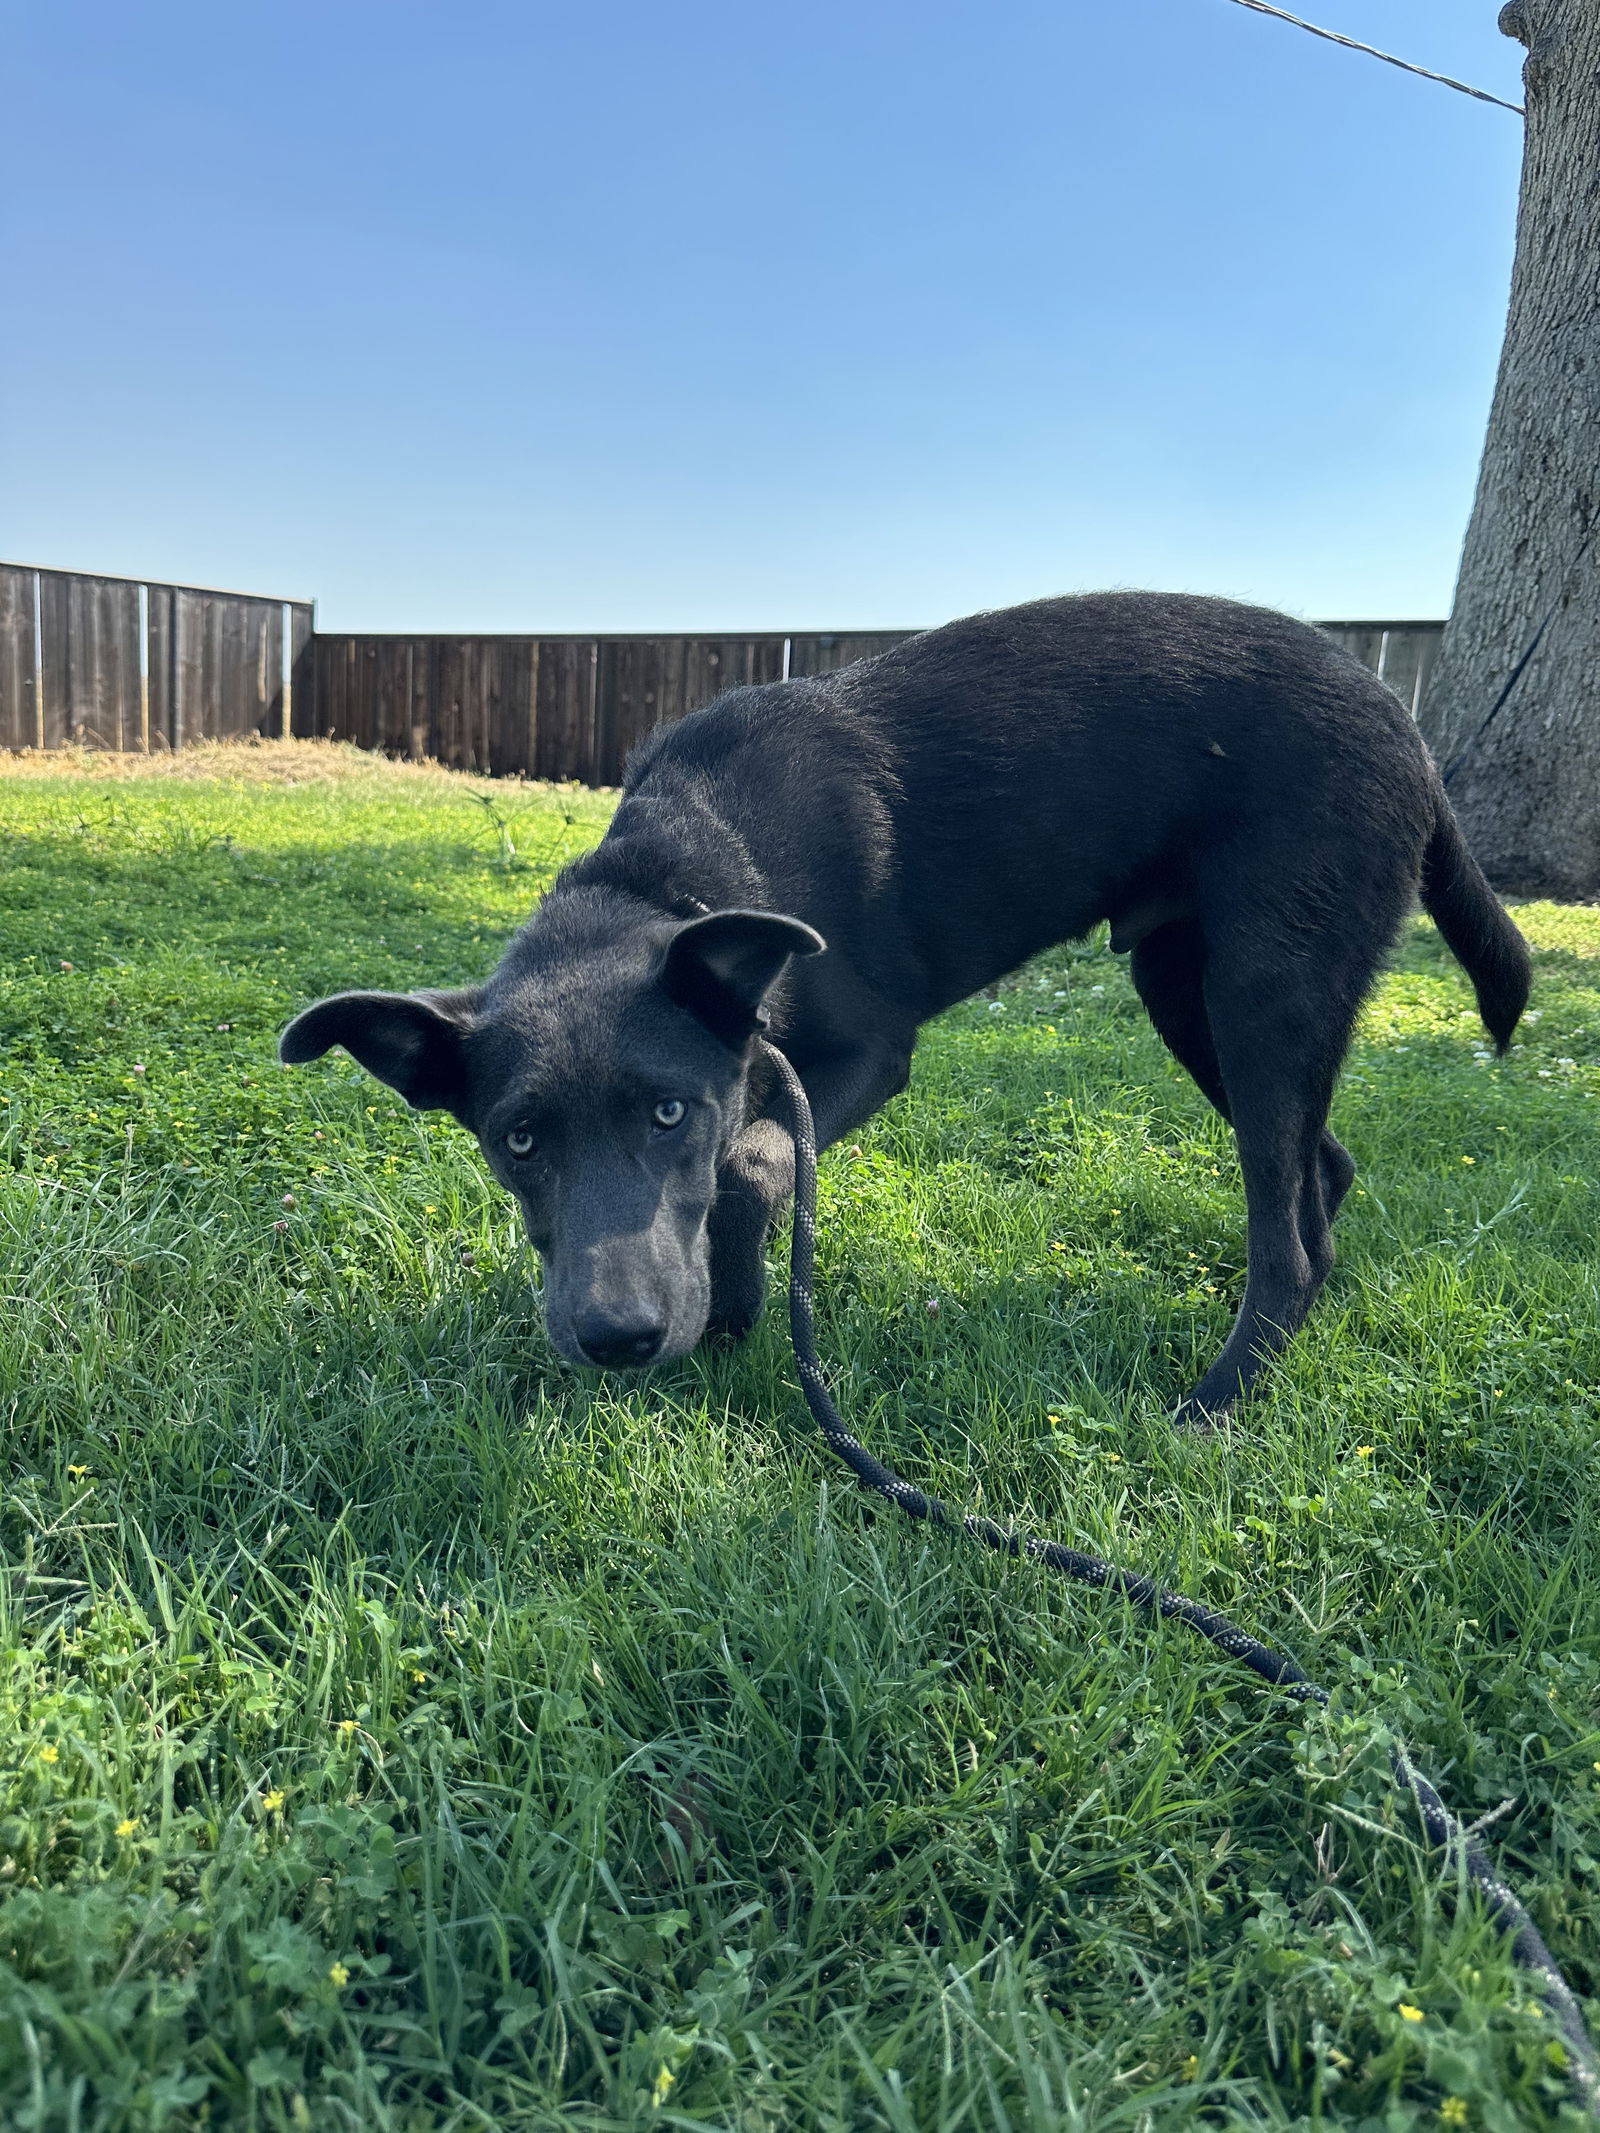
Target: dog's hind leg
[(1279, 1026), (1168, 969), (1327, 1182)]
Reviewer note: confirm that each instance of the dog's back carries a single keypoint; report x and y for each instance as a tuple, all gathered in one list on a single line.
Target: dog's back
[(1011, 779)]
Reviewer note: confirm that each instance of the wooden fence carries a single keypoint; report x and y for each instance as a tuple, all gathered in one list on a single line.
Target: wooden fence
[(117, 663), (124, 664), (1401, 653), (545, 707)]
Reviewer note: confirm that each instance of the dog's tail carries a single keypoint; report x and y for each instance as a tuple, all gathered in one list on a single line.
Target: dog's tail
[(1476, 927)]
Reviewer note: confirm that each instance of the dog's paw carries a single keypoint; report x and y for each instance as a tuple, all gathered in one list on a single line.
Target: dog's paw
[(735, 1307), (727, 1331), (1200, 1417)]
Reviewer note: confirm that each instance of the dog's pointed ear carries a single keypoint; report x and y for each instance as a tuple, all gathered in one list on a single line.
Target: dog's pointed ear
[(722, 967), (413, 1041)]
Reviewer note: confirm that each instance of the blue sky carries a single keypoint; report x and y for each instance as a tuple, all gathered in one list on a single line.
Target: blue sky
[(867, 313)]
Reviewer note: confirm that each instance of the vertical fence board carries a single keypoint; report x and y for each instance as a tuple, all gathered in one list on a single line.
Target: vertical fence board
[(485, 694), (423, 722), (54, 723), (300, 713), (392, 695), (1428, 637), (485, 697), (158, 652), (447, 701), (230, 681), (262, 666), (19, 684), (272, 721), (464, 685), (607, 705), (194, 639), (512, 707), (355, 712), (344, 716), (188, 667), (329, 657)]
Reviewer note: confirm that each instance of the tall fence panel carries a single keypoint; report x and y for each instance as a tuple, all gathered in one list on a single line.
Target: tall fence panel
[(123, 663), (19, 686), (89, 659), (228, 661)]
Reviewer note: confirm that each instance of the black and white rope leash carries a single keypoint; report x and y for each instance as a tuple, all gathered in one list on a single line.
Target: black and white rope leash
[(1461, 1848)]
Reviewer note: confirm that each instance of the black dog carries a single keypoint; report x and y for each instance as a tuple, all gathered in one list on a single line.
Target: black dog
[(1250, 808)]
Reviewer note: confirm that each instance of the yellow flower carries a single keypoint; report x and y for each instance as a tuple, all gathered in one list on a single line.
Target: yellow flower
[(665, 2082), (347, 1726), (272, 1802), (1454, 2110), (77, 1472), (1408, 2013), (1364, 1451), (126, 1828), (49, 1755), (1191, 2067), (417, 1674), (340, 1974), (430, 1210), (1469, 1159)]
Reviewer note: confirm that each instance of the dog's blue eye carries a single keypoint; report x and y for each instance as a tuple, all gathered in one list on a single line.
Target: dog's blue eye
[(670, 1113), (520, 1142)]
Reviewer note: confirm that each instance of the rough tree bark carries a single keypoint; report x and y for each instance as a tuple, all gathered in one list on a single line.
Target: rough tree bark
[(1513, 707)]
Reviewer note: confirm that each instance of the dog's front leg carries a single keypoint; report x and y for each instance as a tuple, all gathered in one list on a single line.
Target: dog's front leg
[(755, 1178)]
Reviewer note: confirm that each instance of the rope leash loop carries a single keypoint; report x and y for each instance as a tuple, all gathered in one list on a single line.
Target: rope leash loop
[(1462, 1850)]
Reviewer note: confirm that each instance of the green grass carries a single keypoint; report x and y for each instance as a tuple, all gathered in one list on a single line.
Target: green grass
[(399, 1729)]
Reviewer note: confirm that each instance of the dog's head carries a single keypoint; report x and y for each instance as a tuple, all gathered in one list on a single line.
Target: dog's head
[(605, 1078)]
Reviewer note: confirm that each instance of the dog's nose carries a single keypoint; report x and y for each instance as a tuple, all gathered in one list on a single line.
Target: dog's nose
[(619, 1340)]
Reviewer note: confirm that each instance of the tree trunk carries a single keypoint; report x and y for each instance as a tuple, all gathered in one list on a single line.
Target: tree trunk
[(1513, 707)]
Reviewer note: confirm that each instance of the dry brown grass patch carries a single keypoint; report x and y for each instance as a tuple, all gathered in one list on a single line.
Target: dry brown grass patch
[(252, 761)]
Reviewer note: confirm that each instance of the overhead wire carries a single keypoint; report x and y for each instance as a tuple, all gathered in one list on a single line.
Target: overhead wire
[(1352, 44)]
